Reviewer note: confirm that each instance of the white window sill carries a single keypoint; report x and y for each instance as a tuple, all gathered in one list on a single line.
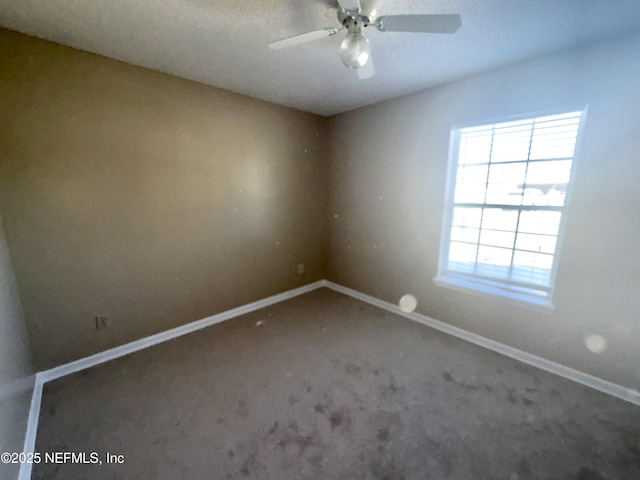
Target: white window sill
[(512, 298)]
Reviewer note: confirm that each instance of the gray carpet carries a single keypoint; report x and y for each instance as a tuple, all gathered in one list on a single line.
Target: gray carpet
[(332, 388)]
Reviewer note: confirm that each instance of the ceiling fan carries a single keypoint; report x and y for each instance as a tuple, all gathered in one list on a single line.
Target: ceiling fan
[(355, 51)]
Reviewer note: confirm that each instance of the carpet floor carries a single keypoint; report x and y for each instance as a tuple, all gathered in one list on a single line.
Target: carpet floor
[(326, 387)]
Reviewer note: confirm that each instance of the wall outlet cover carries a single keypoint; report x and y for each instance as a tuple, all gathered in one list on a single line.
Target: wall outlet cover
[(101, 322)]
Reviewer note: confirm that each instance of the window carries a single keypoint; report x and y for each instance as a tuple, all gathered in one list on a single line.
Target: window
[(506, 204)]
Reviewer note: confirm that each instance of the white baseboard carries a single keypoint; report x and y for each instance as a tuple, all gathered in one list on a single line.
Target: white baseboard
[(32, 428), (127, 348), (72, 367), (610, 388), (41, 378)]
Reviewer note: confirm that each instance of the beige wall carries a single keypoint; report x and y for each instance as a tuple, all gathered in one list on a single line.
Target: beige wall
[(156, 201), (16, 379), (388, 172), (149, 199)]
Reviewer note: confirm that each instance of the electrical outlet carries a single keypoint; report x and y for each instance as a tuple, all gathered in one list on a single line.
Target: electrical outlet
[(101, 322), (301, 268)]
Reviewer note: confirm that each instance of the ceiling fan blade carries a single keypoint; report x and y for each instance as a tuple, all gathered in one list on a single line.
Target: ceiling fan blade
[(304, 38), (349, 5), (448, 23), (367, 70)]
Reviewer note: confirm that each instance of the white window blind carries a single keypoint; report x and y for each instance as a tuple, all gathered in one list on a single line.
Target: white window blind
[(506, 205)]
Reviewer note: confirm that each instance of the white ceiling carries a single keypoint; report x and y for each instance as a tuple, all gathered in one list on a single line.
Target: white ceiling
[(224, 42)]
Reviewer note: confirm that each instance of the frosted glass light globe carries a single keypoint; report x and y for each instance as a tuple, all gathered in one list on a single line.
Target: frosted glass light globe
[(355, 50)]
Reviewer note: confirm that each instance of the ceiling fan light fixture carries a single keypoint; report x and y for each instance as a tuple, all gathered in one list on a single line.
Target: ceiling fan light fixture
[(355, 50)]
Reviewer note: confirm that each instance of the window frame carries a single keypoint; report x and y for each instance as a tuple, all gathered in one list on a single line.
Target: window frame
[(502, 291)]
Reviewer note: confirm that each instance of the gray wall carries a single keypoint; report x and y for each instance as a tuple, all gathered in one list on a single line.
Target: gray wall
[(388, 172), (149, 199), (16, 380)]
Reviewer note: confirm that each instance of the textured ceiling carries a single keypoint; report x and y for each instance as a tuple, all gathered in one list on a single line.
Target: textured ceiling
[(224, 42)]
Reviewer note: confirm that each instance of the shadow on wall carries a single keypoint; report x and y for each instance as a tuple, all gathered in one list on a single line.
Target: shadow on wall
[(16, 373)]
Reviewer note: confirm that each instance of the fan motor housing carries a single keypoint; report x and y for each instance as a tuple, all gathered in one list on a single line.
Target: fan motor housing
[(352, 19)]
